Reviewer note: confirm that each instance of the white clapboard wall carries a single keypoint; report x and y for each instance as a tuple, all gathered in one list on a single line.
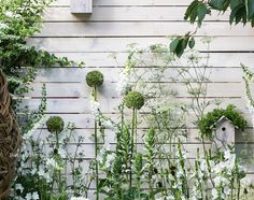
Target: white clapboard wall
[(109, 29)]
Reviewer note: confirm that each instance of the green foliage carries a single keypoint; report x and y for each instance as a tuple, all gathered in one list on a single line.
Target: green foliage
[(134, 100), (94, 79), (197, 10), (55, 124), (241, 11), (248, 78), (207, 122), (19, 20), (178, 45), (221, 5)]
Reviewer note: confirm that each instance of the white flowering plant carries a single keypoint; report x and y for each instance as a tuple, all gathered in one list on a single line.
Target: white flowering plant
[(42, 170)]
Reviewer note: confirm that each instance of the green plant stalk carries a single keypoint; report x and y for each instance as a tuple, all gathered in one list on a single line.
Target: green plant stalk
[(58, 161), (133, 141), (96, 149)]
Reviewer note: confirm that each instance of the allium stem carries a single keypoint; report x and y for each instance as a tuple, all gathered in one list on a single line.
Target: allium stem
[(96, 148)]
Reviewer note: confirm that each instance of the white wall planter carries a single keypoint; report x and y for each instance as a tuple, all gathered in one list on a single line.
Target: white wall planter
[(81, 6)]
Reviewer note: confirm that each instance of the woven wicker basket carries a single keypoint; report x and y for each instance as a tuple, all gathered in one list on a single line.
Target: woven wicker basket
[(10, 139)]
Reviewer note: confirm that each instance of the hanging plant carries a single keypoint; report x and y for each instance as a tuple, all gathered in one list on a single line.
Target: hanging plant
[(207, 122)]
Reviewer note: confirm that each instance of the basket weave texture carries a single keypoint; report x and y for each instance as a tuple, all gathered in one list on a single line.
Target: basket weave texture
[(10, 139)]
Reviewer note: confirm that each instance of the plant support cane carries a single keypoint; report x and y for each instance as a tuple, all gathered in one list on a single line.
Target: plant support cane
[(94, 79), (135, 101)]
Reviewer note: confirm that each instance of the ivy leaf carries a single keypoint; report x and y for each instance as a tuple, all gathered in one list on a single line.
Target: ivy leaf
[(191, 42), (220, 5)]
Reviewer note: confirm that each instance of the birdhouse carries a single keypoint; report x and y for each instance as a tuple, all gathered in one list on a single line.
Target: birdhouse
[(81, 6), (224, 133)]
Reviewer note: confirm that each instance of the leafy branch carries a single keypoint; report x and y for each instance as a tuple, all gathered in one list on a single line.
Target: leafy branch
[(241, 11)]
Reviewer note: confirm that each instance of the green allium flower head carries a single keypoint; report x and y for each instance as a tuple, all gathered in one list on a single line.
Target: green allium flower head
[(134, 100), (55, 124), (94, 79)]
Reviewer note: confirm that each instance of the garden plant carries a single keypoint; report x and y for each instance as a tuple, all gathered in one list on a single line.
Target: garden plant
[(150, 157)]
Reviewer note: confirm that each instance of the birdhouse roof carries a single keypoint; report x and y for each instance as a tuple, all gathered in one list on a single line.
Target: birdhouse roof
[(221, 121)]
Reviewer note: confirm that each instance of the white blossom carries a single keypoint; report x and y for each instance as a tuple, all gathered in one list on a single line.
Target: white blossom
[(52, 163), (95, 107), (215, 194), (246, 182), (32, 196), (19, 187), (78, 198), (3, 26)]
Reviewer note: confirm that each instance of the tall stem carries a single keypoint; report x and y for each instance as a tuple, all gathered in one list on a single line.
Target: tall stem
[(96, 148), (57, 159), (133, 141)]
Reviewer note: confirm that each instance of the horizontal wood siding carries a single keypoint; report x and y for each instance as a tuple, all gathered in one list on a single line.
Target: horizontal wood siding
[(112, 26)]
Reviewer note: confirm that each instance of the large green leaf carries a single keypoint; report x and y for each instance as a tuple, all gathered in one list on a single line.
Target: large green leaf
[(220, 5), (202, 11), (250, 9), (197, 10), (238, 14)]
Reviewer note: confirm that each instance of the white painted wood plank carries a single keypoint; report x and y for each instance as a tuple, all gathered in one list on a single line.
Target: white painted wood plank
[(125, 14), (80, 90), (140, 29), (111, 75), (107, 45), (84, 123), (129, 2), (217, 60), (192, 134), (82, 106)]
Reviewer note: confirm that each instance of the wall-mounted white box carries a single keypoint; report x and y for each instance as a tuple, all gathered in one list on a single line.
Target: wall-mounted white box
[(81, 6)]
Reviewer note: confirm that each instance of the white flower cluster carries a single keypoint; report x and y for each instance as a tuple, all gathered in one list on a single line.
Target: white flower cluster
[(95, 107), (78, 198)]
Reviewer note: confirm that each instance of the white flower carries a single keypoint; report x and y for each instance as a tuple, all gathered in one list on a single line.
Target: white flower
[(220, 180), (32, 196), (35, 196), (3, 26), (108, 124), (246, 182), (123, 82), (109, 160), (227, 154), (215, 194), (52, 163), (19, 187), (203, 165), (95, 107), (78, 198), (9, 14)]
